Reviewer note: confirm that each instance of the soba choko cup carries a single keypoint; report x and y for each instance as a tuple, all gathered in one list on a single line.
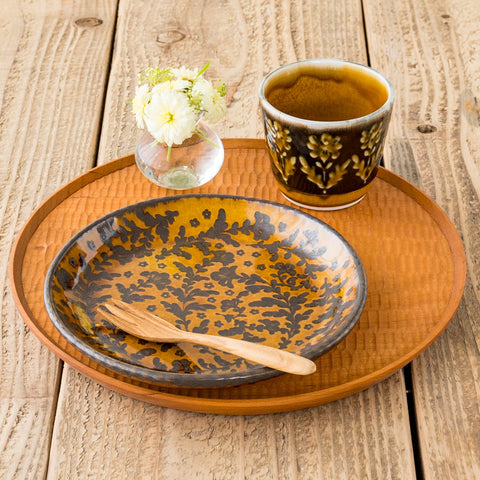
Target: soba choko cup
[(325, 125)]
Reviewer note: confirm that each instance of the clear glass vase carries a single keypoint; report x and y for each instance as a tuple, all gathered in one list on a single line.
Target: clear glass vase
[(195, 162)]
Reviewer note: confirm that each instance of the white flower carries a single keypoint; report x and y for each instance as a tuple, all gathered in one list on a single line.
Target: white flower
[(177, 85), (139, 103), (171, 101), (212, 101), (215, 107), (170, 118), (185, 73)]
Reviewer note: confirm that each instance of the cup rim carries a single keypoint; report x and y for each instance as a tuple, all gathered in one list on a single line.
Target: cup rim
[(321, 124)]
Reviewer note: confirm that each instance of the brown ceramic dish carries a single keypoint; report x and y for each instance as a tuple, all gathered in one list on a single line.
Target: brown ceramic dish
[(223, 265)]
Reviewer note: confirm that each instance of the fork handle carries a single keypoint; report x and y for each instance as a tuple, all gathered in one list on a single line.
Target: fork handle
[(263, 354)]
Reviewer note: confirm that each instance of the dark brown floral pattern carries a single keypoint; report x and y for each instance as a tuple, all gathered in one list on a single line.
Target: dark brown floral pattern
[(229, 266)]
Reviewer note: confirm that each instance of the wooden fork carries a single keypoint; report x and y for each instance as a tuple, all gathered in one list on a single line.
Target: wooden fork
[(151, 327)]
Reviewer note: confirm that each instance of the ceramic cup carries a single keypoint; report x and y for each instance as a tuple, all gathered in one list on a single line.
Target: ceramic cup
[(325, 125)]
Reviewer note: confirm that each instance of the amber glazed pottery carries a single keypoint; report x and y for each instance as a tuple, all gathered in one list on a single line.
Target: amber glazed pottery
[(325, 121), (220, 265), (412, 255)]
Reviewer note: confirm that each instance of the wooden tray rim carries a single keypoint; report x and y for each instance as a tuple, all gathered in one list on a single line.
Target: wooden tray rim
[(232, 406)]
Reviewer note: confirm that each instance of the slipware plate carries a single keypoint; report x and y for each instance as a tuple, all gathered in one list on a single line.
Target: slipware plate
[(223, 265)]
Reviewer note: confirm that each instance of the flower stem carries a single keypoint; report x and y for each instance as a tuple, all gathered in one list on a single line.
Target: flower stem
[(203, 136)]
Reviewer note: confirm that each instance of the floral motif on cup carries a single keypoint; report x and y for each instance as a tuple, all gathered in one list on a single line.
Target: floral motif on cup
[(323, 165), (324, 148), (324, 179), (281, 135), (364, 166), (278, 142), (370, 140), (370, 143)]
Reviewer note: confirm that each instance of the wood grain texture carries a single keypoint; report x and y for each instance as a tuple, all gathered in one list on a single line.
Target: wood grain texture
[(430, 51), (133, 439), (51, 70), (243, 39)]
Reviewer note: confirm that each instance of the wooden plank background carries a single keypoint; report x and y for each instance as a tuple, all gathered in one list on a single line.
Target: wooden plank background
[(430, 50), (53, 72), (66, 72)]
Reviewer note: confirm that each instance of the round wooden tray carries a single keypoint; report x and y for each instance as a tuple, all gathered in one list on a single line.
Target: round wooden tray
[(413, 258)]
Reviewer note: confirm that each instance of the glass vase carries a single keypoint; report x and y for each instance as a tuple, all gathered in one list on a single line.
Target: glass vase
[(193, 163)]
